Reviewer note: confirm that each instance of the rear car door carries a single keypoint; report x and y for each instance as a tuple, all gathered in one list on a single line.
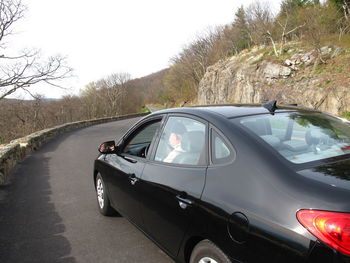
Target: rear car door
[(126, 168), (173, 181)]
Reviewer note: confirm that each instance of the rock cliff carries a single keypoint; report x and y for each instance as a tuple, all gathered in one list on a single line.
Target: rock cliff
[(256, 77)]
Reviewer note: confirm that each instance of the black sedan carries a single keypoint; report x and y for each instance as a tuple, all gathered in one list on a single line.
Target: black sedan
[(233, 183)]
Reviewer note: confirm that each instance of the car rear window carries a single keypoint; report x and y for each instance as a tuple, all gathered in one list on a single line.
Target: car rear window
[(301, 137)]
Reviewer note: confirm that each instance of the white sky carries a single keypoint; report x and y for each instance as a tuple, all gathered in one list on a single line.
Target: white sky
[(110, 36)]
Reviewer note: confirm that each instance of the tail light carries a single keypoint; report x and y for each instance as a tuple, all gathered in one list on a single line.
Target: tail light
[(332, 228)]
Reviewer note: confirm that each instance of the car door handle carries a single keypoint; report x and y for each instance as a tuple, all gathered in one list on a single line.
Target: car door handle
[(184, 202), (129, 159), (133, 179)]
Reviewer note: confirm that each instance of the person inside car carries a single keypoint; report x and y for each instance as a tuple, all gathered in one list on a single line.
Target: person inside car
[(175, 140)]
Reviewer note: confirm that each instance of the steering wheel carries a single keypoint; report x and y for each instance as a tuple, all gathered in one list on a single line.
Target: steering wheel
[(144, 151)]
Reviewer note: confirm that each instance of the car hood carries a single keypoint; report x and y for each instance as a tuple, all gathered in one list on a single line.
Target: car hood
[(334, 174)]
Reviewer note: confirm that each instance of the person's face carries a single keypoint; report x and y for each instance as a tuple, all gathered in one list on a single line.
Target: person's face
[(175, 139)]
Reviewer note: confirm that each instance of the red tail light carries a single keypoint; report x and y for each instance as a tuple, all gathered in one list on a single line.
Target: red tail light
[(333, 228)]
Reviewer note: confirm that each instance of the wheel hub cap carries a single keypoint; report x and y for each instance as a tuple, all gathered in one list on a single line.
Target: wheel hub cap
[(100, 197), (207, 260)]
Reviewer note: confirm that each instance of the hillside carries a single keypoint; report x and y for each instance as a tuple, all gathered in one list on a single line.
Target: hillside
[(148, 87), (19, 118), (301, 54), (256, 75)]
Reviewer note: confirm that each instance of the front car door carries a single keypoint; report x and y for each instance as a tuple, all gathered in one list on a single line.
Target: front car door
[(126, 168), (173, 180)]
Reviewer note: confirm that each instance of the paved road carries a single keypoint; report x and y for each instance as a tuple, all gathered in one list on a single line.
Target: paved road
[(153, 109), (49, 213)]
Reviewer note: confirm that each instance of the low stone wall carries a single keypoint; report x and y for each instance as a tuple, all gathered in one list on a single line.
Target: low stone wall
[(18, 149)]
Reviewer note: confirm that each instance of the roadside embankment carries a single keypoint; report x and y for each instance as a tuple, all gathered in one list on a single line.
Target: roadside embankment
[(17, 150), (297, 76)]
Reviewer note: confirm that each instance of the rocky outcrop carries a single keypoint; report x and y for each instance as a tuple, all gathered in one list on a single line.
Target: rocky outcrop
[(308, 58), (249, 78)]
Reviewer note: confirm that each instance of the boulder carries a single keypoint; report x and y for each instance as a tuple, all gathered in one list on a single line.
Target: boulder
[(275, 71), (255, 59), (337, 51), (326, 50), (289, 62)]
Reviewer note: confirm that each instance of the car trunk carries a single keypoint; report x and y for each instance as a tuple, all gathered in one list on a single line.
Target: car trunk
[(335, 174)]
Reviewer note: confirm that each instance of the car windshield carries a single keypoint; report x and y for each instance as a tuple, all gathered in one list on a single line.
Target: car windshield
[(301, 137)]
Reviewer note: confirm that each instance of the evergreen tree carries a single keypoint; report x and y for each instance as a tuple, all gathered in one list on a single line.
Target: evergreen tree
[(343, 6), (242, 39), (290, 6)]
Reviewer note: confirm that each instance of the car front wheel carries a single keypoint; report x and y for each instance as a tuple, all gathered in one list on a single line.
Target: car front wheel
[(102, 197), (207, 252)]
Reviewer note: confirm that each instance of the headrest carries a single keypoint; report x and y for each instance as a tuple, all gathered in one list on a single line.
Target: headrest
[(258, 126), (312, 137), (295, 146), (178, 128), (193, 141), (272, 140)]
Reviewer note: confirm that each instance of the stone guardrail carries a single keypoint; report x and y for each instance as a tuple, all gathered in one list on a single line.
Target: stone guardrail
[(18, 149)]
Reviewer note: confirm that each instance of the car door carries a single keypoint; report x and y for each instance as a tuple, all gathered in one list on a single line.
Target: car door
[(126, 168), (170, 187)]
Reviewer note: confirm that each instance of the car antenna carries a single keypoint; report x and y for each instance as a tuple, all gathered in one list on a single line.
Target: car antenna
[(271, 106)]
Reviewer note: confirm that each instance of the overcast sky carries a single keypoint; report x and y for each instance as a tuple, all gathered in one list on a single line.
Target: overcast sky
[(110, 36)]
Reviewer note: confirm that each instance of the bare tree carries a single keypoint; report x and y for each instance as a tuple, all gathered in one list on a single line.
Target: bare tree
[(190, 65), (114, 88), (344, 21), (260, 21), (27, 68), (345, 6), (320, 20), (106, 97), (286, 28)]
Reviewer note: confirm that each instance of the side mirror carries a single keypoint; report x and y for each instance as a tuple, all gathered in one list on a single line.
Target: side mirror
[(107, 147)]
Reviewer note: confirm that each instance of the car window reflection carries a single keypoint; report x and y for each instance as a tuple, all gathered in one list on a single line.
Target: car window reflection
[(182, 142), (139, 144)]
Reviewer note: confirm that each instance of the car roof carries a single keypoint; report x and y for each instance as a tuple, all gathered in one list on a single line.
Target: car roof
[(234, 110)]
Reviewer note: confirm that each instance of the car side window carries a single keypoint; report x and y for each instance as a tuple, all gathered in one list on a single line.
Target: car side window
[(140, 142), (182, 142), (220, 151)]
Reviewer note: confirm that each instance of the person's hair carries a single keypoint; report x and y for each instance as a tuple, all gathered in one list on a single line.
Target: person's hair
[(178, 128)]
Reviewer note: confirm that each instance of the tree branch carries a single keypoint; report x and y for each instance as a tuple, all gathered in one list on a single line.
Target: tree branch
[(26, 69)]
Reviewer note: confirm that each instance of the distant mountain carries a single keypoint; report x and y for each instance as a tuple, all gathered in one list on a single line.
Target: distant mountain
[(148, 87), (51, 99), (9, 101)]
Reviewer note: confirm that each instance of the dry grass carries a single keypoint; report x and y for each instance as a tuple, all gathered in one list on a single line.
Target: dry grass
[(343, 42)]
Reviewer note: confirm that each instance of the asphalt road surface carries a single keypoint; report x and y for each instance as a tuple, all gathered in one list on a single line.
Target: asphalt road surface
[(48, 212), (153, 109)]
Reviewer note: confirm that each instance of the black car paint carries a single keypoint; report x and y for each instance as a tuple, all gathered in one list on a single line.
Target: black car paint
[(252, 217), (163, 187)]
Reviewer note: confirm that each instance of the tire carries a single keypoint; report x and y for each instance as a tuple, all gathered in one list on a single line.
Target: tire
[(207, 252), (103, 203)]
